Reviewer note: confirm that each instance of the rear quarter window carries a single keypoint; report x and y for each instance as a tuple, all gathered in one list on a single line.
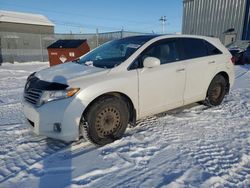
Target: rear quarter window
[(196, 48), (211, 49)]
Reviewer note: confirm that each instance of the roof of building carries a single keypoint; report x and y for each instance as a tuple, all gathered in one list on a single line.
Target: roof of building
[(70, 43), (25, 18)]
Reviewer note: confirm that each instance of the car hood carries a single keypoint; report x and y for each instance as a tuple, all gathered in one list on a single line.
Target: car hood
[(63, 73)]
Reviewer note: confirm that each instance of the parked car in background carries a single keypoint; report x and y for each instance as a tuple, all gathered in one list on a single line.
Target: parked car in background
[(237, 54), (246, 55), (240, 51), (123, 81)]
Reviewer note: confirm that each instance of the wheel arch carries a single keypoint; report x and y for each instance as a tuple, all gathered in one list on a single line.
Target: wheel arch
[(226, 76), (120, 95)]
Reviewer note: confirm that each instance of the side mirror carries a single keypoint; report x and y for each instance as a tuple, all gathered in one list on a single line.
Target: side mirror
[(151, 62)]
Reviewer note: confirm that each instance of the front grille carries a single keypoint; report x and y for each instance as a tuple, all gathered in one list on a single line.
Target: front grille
[(34, 88), (32, 95)]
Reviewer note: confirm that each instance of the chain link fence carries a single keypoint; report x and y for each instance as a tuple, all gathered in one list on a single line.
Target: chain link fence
[(24, 47)]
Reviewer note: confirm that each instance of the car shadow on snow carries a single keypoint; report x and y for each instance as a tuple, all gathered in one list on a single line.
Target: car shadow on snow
[(62, 168), (55, 171)]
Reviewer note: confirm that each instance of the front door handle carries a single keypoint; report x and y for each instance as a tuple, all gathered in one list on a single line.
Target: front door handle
[(180, 70)]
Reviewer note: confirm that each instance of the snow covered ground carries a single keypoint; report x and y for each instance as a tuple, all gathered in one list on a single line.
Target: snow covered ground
[(193, 146)]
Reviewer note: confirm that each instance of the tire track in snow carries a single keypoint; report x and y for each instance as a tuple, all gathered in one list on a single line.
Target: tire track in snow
[(224, 158), (239, 175), (136, 154), (20, 148), (215, 159), (11, 114), (153, 149), (25, 152), (242, 74)]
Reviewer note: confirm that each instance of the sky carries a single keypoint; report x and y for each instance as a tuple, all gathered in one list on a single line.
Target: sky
[(82, 16)]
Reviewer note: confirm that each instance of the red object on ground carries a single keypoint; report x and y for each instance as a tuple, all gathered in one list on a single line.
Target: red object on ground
[(66, 50)]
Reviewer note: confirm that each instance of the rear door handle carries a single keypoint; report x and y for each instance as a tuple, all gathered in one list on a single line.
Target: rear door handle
[(180, 70), (211, 62)]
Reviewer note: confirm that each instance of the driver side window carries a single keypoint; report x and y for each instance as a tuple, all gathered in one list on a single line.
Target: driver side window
[(166, 51)]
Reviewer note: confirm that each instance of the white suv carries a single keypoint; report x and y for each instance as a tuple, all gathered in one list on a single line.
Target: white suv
[(125, 80)]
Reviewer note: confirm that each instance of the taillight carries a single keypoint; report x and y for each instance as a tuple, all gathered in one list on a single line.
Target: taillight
[(233, 60)]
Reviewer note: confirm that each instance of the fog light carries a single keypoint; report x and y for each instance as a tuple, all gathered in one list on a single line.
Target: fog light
[(57, 127)]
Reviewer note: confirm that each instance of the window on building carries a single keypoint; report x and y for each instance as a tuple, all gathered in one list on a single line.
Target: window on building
[(26, 43)]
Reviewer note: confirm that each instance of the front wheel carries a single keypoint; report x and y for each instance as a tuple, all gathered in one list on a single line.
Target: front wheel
[(216, 91), (106, 120)]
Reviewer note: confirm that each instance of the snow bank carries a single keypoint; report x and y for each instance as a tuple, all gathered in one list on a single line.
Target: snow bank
[(194, 146)]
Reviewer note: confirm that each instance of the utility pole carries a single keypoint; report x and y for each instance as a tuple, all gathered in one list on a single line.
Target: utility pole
[(163, 21), (81, 30), (97, 37), (122, 30)]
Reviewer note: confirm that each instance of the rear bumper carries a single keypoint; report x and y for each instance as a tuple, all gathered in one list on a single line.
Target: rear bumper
[(46, 119), (232, 77)]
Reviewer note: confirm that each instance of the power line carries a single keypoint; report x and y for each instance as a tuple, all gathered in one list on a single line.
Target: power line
[(145, 25), (80, 25), (64, 23), (77, 14)]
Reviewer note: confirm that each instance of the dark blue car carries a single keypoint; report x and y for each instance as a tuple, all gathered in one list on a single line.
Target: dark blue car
[(247, 55), (240, 51)]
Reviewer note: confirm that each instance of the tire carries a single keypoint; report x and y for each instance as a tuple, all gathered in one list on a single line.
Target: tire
[(216, 91), (105, 121)]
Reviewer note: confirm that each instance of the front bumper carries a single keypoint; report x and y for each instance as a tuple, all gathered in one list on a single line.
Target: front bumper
[(43, 119)]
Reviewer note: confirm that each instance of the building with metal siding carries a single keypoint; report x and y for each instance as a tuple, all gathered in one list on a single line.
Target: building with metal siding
[(246, 30), (215, 17)]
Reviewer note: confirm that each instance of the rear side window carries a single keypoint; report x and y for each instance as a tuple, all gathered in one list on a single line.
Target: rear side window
[(211, 49), (194, 48)]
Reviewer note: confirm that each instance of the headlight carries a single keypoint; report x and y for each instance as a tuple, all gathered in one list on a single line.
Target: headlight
[(48, 96)]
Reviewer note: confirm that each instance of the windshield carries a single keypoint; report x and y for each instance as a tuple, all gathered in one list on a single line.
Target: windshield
[(115, 52)]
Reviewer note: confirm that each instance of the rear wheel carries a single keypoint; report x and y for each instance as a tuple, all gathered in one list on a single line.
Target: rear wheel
[(216, 91), (106, 120)]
